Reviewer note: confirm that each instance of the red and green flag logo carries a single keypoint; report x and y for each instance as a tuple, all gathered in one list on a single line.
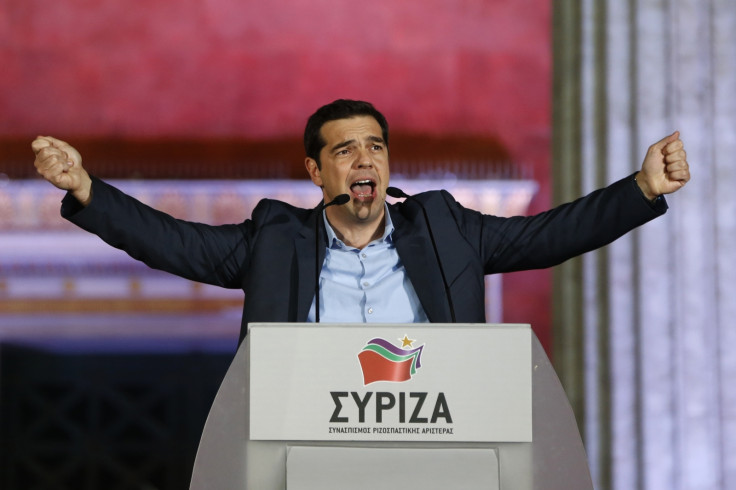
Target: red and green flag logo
[(380, 360)]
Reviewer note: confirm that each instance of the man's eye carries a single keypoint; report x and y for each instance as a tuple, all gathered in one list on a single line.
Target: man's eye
[(377, 147)]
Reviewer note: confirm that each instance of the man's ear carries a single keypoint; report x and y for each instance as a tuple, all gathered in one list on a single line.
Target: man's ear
[(313, 171)]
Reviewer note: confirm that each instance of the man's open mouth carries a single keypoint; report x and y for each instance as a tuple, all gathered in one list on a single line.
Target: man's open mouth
[(363, 188)]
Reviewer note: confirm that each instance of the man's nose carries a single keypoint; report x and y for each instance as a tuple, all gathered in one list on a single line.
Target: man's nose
[(364, 158)]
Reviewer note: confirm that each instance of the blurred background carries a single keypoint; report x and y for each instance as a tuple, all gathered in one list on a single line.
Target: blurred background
[(197, 107)]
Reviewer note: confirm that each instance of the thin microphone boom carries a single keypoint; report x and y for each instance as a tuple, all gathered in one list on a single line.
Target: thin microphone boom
[(338, 201), (398, 193)]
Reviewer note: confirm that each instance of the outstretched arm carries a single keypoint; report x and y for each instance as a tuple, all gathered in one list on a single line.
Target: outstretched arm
[(61, 164), (665, 168)]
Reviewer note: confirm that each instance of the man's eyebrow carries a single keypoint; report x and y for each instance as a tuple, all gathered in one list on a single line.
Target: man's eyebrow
[(342, 144)]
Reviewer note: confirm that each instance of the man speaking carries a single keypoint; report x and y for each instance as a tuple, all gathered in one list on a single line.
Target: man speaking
[(355, 258)]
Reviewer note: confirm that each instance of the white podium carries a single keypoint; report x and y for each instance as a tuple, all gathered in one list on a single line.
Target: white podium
[(356, 406)]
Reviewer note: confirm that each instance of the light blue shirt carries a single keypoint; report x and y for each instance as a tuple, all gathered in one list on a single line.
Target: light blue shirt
[(366, 286)]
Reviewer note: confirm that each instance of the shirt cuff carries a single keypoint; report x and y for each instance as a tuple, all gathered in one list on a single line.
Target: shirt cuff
[(653, 203)]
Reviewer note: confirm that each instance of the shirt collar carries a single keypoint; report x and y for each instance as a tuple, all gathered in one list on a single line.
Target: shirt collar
[(388, 229)]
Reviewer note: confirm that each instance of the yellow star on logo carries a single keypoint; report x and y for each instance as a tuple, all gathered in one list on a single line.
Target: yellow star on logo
[(406, 341)]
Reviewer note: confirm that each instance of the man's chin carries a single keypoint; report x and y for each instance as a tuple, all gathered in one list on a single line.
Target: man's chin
[(367, 209)]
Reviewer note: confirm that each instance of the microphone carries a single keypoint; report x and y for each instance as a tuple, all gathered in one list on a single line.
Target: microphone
[(338, 201), (398, 193)]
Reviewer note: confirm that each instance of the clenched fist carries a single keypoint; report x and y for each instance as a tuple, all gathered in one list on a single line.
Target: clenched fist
[(61, 164), (665, 168)]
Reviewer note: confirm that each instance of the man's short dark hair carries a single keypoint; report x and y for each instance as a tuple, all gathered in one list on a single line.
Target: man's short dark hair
[(339, 109)]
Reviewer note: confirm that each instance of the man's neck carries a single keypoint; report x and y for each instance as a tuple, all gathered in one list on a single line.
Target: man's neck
[(359, 235)]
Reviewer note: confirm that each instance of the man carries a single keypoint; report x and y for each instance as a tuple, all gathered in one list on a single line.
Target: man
[(420, 260)]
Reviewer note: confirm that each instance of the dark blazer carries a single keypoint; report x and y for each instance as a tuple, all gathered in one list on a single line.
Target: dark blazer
[(271, 256)]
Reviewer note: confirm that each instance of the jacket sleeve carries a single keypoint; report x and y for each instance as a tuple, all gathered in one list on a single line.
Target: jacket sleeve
[(211, 254), (566, 231)]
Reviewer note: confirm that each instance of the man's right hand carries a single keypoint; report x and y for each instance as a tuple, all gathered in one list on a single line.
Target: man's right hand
[(61, 164)]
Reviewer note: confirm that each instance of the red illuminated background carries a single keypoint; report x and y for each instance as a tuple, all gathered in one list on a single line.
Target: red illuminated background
[(220, 79)]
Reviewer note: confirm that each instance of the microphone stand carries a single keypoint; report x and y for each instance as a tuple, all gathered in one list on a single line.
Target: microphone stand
[(338, 201)]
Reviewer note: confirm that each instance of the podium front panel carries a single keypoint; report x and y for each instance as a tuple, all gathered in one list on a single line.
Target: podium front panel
[(417, 382)]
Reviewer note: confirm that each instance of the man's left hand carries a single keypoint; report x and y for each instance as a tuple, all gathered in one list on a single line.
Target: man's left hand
[(665, 168)]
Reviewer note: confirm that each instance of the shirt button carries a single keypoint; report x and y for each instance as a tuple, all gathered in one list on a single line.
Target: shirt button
[(364, 255), (370, 311), (366, 284)]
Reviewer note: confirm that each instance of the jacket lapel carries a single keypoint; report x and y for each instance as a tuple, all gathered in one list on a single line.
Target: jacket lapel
[(306, 257), (415, 250)]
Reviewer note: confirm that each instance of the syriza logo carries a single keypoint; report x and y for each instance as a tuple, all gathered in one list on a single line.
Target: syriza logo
[(390, 412), (380, 360)]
